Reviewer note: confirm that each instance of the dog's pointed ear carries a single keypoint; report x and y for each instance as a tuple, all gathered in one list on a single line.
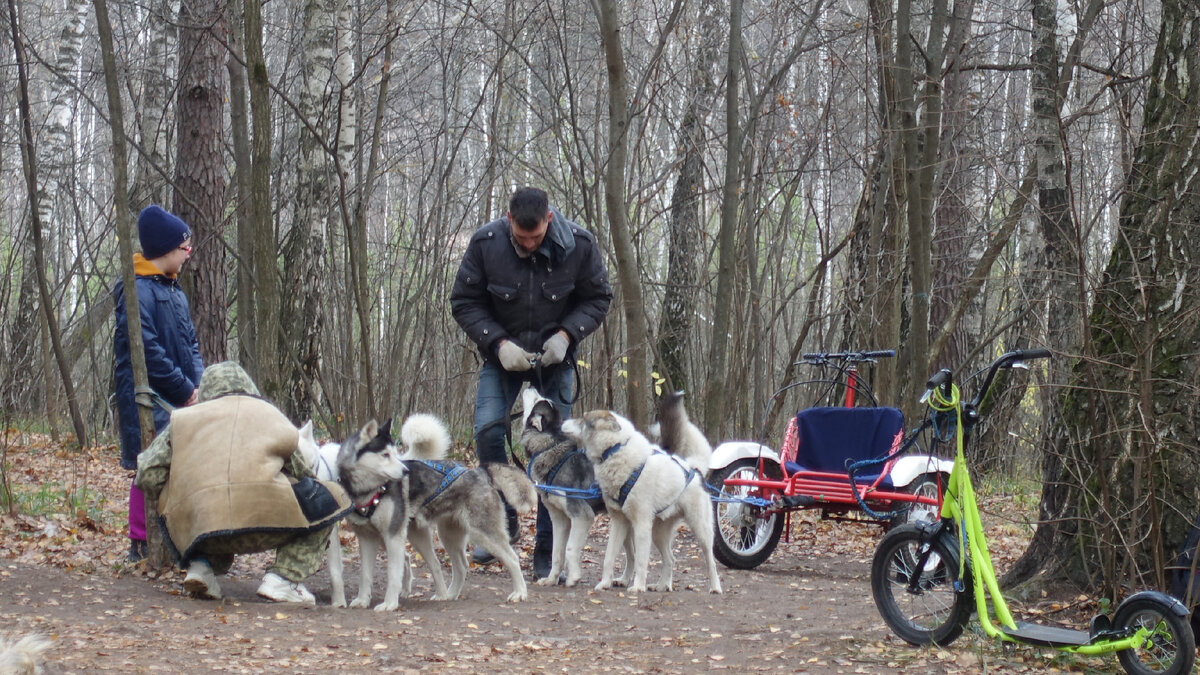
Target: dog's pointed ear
[(369, 430), (385, 429), (537, 421), (306, 431), (607, 422)]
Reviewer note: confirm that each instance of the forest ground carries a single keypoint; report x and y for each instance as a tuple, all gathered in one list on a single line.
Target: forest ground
[(807, 609)]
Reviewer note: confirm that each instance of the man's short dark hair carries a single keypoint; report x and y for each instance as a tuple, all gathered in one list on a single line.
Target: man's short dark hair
[(528, 207)]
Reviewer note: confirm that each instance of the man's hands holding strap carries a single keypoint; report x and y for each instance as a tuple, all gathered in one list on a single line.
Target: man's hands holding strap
[(513, 358)]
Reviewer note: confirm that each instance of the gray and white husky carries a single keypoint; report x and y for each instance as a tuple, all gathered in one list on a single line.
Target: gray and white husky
[(404, 497), (322, 459), (556, 462), (666, 488)]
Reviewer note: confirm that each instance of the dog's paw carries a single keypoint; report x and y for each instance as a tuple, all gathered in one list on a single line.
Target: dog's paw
[(361, 602), (637, 588), (663, 588), (518, 596), (571, 583), (604, 585), (546, 581), (387, 606), (338, 603)]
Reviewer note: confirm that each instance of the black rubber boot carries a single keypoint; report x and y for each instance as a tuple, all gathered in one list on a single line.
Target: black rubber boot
[(542, 559), (138, 550), (481, 556), (514, 524)]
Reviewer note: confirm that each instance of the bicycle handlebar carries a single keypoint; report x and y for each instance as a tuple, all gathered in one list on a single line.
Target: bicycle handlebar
[(870, 355), (943, 378)]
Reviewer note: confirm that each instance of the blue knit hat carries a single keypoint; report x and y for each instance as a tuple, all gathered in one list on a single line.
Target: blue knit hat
[(159, 231)]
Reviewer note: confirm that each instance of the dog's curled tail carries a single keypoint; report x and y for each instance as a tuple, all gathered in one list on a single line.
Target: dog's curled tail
[(21, 657), (424, 437), (680, 436), (516, 487)]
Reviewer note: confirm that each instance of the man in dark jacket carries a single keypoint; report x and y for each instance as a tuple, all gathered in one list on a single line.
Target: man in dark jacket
[(173, 363), (530, 287)]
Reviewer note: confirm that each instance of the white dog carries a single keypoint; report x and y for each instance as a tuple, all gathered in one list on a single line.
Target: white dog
[(323, 462), (649, 490), (22, 657)]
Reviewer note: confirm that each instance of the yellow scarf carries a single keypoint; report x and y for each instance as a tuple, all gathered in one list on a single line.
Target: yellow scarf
[(146, 268)]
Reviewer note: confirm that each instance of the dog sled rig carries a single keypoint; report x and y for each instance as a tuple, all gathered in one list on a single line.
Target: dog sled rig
[(594, 493)]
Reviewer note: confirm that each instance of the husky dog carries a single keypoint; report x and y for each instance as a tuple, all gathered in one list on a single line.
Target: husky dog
[(21, 657), (648, 490), (322, 459), (401, 498), (555, 461)]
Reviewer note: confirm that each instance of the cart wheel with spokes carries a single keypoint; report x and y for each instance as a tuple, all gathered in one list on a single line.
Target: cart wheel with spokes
[(931, 611), (1171, 647), (745, 536), (927, 485)]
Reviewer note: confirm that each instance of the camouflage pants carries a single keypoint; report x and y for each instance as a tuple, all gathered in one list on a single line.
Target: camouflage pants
[(296, 557)]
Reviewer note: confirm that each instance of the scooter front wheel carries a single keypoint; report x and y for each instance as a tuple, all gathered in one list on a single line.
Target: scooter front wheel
[(913, 581), (1170, 649), (745, 536)]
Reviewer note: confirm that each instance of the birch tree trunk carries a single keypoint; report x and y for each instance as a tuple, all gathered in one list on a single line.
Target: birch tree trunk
[(155, 114), (57, 148), (1127, 437), (29, 160), (328, 117)]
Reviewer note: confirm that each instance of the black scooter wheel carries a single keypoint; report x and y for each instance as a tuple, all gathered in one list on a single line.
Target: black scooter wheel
[(913, 581), (1171, 649)]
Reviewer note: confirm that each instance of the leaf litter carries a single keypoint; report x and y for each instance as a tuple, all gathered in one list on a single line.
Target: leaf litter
[(808, 609)]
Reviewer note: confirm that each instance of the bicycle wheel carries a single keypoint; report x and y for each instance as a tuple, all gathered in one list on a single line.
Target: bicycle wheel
[(1171, 648), (745, 537), (925, 485), (934, 613)]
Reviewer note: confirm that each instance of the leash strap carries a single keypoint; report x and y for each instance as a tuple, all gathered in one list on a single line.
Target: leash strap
[(148, 398), (590, 493)]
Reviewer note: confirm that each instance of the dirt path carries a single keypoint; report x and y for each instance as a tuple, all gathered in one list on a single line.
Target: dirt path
[(808, 609), (798, 613)]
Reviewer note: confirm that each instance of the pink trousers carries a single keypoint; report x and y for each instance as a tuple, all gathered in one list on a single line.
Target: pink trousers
[(137, 513)]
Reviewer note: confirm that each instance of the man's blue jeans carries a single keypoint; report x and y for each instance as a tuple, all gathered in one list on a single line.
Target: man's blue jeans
[(498, 391)]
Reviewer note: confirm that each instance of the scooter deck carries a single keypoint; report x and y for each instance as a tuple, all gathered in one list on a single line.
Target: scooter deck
[(1048, 636)]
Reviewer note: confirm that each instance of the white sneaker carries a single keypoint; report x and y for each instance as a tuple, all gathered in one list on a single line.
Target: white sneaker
[(278, 589), (200, 581)]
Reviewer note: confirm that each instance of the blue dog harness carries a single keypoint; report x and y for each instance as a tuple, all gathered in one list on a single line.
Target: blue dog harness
[(550, 475), (450, 472), (550, 488), (627, 487)]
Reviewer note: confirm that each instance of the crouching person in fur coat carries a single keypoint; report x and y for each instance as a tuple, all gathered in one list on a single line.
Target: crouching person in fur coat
[(228, 480)]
